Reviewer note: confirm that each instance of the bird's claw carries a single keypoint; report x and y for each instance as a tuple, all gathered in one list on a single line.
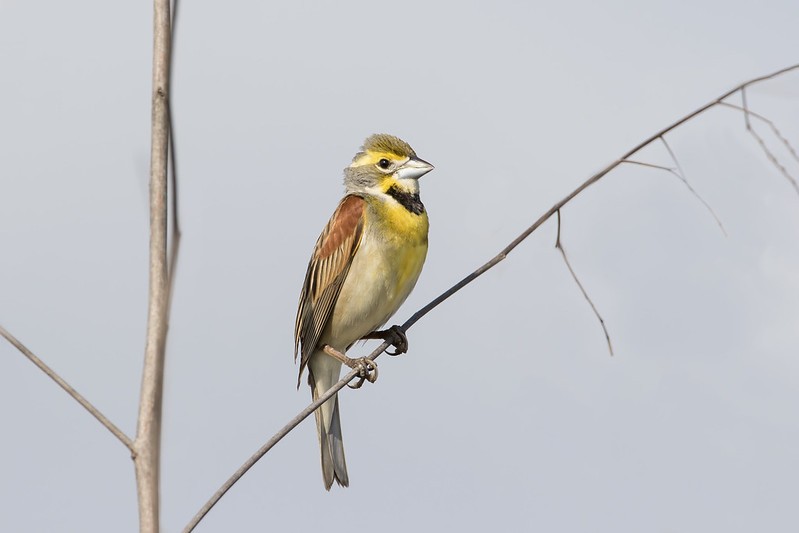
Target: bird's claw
[(367, 371), (395, 336)]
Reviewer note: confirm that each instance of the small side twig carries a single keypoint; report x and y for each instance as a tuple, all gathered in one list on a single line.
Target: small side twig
[(760, 141), (110, 426), (684, 179), (771, 124), (681, 177), (173, 169), (559, 246)]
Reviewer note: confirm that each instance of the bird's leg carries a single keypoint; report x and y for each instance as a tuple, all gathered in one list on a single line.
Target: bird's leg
[(394, 335), (367, 369)]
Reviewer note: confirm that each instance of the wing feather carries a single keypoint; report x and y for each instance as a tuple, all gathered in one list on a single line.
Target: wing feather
[(327, 270)]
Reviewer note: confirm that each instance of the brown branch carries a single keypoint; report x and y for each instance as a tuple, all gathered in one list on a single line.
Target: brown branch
[(458, 286), (769, 154), (559, 246), (249, 463), (173, 167), (771, 124), (118, 433), (679, 176), (587, 183), (746, 107), (148, 436)]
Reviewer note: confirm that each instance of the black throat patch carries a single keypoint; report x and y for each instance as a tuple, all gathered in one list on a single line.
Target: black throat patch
[(409, 201)]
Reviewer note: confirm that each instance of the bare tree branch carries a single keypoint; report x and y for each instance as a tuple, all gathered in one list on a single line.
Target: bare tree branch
[(173, 167), (774, 129), (559, 246), (249, 463), (746, 108), (769, 154), (148, 436), (685, 182), (458, 286), (118, 433), (684, 179)]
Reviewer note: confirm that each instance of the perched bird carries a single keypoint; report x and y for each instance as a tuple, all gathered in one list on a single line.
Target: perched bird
[(364, 265)]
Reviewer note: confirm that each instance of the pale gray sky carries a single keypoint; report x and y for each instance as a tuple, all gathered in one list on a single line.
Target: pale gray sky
[(507, 414)]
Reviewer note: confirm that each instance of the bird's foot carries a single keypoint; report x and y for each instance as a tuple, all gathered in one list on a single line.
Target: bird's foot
[(367, 369), (395, 336)]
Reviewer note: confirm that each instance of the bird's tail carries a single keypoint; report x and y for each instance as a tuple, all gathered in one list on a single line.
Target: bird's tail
[(322, 376)]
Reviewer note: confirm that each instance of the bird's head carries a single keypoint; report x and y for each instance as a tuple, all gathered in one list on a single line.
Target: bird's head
[(384, 162)]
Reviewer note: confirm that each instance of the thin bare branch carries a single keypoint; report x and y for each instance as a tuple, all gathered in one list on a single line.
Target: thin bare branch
[(673, 158), (766, 150), (249, 463), (148, 436), (174, 245), (771, 124), (769, 154), (684, 179), (746, 109), (587, 183), (118, 433), (651, 165), (462, 283), (173, 165), (559, 246), (681, 177)]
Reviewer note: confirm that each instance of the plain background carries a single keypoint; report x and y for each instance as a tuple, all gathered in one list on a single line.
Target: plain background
[(507, 414)]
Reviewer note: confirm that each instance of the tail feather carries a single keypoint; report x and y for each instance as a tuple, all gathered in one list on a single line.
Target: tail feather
[(336, 448), (328, 424)]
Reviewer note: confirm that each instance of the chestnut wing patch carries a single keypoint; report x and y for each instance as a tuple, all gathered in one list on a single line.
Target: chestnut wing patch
[(326, 273)]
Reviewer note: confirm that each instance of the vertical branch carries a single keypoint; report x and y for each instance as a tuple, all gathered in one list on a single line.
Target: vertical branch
[(148, 436), (174, 246)]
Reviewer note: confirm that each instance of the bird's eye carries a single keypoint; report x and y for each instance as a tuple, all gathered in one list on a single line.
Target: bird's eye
[(384, 163)]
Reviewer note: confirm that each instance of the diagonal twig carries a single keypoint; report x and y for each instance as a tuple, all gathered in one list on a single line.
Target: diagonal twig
[(559, 246), (769, 154), (684, 179), (771, 124), (462, 283), (294, 422), (766, 150), (681, 177), (110, 426)]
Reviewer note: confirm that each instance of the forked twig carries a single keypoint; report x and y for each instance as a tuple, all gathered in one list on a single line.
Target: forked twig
[(681, 177), (559, 246), (684, 179), (458, 286), (766, 150), (774, 129), (110, 426)]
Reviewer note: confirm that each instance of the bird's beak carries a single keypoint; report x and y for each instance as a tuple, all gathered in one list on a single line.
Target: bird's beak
[(414, 169)]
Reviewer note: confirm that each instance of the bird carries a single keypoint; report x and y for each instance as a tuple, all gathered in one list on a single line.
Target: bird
[(364, 265)]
